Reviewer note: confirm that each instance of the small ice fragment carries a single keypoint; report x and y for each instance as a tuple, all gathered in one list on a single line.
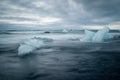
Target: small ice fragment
[(65, 31)]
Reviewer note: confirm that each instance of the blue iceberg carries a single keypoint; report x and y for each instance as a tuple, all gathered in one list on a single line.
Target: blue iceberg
[(64, 31), (99, 36), (88, 36)]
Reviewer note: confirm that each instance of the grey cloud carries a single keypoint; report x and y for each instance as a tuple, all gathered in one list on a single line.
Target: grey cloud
[(72, 12), (102, 8)]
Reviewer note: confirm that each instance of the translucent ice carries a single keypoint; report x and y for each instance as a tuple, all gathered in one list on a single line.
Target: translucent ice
[(32, 44), (88, 36), (64, 31), (99, 36)]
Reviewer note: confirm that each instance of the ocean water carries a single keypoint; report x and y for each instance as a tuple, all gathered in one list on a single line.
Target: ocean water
[(66, 58)]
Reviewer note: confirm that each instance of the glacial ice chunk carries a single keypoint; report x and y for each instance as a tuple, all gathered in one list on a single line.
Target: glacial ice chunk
[(88, 36), (101, 35), (28, 46), (25, 49), (64, 31), (31, 44)]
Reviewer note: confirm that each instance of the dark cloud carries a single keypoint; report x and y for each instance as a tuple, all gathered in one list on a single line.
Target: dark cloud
[(68, 12), (102, 8)]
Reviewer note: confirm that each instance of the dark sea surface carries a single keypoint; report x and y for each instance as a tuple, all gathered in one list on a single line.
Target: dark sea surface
[(60, 60)]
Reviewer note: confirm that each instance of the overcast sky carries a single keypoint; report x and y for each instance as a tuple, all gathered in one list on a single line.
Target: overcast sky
[(57, 14)]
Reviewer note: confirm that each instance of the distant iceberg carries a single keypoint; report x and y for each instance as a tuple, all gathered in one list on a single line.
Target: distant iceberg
[(64, 31), (31, 44), (99, 36)]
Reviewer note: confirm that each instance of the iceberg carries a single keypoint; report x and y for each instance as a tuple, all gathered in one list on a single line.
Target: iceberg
[(88, 36), (99, 36), (31, 44), (64, 31)]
